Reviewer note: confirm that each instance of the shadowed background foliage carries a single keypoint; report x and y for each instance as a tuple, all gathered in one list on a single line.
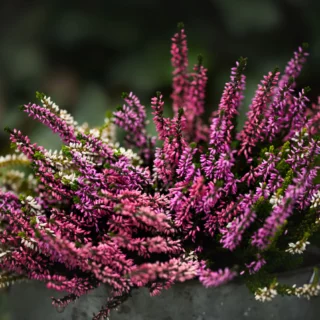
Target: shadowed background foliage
[(85, 53)]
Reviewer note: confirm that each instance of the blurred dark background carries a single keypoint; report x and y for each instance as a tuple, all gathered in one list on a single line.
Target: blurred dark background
[(85, 53)]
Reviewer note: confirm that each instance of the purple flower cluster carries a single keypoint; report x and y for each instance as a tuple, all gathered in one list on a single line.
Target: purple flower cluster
[(98, 213)]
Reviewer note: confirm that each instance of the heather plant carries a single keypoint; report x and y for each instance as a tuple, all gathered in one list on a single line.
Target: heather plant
[(197, 201)]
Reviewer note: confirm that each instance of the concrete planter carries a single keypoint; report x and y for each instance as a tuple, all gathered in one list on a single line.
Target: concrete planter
[(186, 301)]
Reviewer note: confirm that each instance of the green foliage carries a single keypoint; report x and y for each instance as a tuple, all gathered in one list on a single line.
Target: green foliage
[(66, 152), (260, 279), (197, 165), (277, 235), (124, 95), (13, 145), (7, 129), (37, 233), (279, 261), (76, 199), (33, 221), (287, 180), (219, 183), (22, 234), (74, 185), (38, 155), (242, 65), (262, 207), (200, 60), (193, 145), (117, 153), (307, 225), (317, 163), (283, 167), (107, 166), (78, 244), (39, 95), (307, 89), (180, 25), (109, 114)]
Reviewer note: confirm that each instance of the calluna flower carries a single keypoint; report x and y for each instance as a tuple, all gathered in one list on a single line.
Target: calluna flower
[(307, 291), (315, 200), (155, 211), (298, 247)]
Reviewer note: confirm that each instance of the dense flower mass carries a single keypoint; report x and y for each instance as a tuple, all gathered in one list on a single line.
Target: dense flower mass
[(206, 201)]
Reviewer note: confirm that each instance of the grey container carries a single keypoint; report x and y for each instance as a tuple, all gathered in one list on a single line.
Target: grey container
[(184, 301)]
